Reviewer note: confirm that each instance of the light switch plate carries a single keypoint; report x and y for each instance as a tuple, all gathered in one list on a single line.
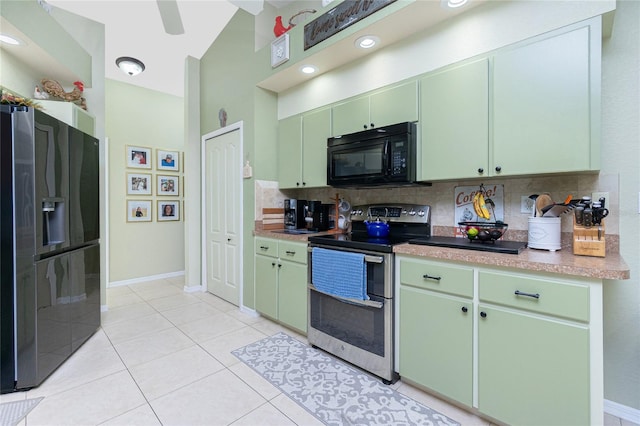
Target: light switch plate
[(526, 204)]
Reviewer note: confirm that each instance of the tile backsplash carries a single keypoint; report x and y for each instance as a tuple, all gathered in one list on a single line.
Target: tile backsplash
[(440, 196)]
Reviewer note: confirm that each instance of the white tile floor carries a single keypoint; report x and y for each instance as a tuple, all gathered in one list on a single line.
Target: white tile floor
[(162, 357)]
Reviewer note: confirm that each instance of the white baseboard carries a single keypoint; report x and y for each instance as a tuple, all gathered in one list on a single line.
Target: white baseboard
[(249, 311), (622, 411), (145, 279), (193, 289)]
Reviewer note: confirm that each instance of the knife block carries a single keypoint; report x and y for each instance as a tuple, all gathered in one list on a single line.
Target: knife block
[(589, 241)]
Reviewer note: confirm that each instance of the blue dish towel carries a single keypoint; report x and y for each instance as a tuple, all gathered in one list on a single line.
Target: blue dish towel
[(339, 273)]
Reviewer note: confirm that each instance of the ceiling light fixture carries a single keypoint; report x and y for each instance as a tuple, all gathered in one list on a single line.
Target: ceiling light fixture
[(5, 38), (130, 66), (367, 42), (308, 69), (454, 3)]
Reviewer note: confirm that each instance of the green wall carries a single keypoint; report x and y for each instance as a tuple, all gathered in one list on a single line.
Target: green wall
[(228, 80), (146, 118)]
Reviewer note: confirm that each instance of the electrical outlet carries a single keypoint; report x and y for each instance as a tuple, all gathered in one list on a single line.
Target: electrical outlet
[(526, 204), (595, 196)]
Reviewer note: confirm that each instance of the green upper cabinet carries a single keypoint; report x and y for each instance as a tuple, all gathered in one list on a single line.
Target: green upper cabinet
[(316, 129), (382, 108), (454, 117), (302, 150), (290, 152), (546, 104)]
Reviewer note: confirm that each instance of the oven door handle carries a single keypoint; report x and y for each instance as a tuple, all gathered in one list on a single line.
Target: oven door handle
[(367, 257), (366, 303)]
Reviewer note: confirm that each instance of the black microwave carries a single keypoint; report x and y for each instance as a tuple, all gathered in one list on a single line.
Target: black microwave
[(375, 157)]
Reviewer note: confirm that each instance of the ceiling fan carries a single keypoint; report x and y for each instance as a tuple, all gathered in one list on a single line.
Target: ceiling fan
[(170, 16)]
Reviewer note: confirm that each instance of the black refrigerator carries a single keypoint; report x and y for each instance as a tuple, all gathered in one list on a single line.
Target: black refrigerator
[(49, 244)]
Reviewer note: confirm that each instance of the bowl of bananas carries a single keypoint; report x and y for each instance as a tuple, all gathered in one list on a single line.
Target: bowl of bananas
[(485, 232)]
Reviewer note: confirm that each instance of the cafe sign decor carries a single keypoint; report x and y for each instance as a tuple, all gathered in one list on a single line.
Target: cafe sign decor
[(340, 17)]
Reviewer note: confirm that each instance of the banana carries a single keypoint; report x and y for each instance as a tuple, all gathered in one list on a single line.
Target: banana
[(480, 207)]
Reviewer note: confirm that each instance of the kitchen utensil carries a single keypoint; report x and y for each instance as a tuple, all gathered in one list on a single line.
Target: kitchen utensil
[(555, 210), (377, 229), (542, 201), (579, 213)]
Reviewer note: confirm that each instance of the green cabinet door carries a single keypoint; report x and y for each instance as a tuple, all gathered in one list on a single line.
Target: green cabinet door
[(532, 370), (290, 152), (316, 128), (292, 295), (436, 342), (266, 285), (351, 116), (542, 106), (454, 120), (395, 105)]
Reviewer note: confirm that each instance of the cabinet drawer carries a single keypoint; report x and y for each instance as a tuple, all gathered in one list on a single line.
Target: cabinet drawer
[(294, 252), (536, 294), (266, 247), (437, 276)]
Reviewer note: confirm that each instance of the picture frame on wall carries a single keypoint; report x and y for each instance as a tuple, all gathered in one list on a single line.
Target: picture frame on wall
[(139, 184), (167, 160), (168, 185), (139, 211), (138, 157), (168, 210)]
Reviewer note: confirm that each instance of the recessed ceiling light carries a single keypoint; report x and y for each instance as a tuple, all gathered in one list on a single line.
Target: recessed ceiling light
[(367, 42), (308, 69), (131, 66), (5, 38), (454, 3)]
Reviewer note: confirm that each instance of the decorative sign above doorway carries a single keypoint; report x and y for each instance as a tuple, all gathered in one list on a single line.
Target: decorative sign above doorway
[(340, 17)]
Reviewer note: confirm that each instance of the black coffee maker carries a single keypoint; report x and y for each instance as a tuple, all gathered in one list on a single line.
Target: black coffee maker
[(294, 212), (316, 216)]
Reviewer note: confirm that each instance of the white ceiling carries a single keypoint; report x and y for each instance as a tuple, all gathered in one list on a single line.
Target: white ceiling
[(134, 28)]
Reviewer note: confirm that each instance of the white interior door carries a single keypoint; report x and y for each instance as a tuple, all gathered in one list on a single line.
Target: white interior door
[(223, 213)]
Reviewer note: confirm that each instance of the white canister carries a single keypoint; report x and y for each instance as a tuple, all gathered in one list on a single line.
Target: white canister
[(544, 233)]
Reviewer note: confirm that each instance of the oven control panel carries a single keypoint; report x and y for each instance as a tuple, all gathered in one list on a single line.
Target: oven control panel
[(405, 213)]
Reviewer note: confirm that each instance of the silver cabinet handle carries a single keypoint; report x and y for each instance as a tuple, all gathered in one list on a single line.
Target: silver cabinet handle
[(520, 293)]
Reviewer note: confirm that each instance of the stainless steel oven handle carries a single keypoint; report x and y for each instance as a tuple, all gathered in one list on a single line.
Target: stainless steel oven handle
[(365, 303), (373, 259)]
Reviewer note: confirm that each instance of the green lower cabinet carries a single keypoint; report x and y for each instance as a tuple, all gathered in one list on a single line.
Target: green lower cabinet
[(436, 342), (292, 295), (266, 286), (532, 370), (281, 281)]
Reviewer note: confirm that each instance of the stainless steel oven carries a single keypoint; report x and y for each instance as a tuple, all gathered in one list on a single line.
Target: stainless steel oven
[(362, 331), (358, 331)]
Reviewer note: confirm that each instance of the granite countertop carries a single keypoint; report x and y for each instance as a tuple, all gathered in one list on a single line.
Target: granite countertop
[(611, 267)]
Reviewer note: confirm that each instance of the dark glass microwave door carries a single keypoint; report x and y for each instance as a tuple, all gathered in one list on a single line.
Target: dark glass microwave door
[(360, 326), (358, 160)]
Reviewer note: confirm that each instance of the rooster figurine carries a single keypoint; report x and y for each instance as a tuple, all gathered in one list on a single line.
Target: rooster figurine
[(54, 88), (279, 28)]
